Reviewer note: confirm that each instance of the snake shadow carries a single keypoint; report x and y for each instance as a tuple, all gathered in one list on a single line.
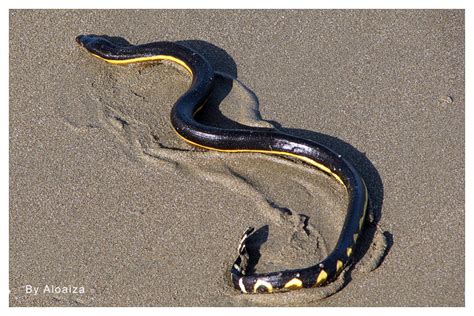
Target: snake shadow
[(254, 243), (224, 63)]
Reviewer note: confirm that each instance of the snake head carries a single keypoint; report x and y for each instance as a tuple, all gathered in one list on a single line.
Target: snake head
[(96, 44)]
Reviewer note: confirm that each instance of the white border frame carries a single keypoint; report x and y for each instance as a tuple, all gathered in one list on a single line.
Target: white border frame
[(238, 4)]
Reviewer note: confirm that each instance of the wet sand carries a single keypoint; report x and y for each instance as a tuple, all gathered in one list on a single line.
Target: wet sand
[(104, 197)]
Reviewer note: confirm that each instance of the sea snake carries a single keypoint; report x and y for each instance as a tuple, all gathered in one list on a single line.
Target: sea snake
[(254, 140)]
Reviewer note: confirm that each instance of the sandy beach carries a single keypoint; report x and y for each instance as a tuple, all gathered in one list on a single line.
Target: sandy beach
[(108, 207)]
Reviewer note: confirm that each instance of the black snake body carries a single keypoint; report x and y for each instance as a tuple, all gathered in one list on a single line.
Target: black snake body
[(260, 140)]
